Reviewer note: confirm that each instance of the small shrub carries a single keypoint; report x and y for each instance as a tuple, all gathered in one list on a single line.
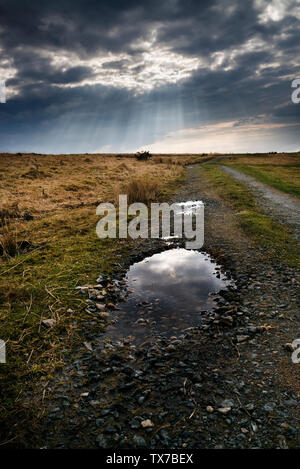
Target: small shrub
[(143, 155)]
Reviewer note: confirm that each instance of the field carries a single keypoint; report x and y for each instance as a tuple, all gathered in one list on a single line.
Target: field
[(48, 245)]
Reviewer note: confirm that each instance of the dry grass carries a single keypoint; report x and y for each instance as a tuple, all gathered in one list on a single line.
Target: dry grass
[(179, 160), (48, 184), (9, 211), (141, 190), (279, 159), (8, 241)]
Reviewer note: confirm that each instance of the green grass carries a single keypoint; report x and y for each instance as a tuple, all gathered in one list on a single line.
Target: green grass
[(265, 232), (41, 285), (286, 178)]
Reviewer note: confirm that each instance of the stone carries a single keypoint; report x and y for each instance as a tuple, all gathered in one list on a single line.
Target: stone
[(147, 423), (171, 346), (88, 346), (110, 429), (224, 410), (227, 403), (139, 441), (102, 441), (48, 322), (242, 338), (103, 315), (269, 406), (227, 321), (250, 406), (289, 347)]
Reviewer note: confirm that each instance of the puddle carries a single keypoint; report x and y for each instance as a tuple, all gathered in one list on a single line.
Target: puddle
[(167, 293)]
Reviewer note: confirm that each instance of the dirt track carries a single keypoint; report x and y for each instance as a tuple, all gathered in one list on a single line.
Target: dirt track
[(283, 207)]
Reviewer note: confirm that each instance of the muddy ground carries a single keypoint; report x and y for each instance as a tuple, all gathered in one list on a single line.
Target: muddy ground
[(229, 383)]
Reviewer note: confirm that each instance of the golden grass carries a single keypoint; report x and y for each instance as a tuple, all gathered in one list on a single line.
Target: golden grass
[(46, 184), (141, 190), (9, 211), (8, 241)]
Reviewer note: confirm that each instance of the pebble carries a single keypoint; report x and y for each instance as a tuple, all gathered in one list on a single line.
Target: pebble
[(48, 322), (224, 410), (270, 406), (242, 338), (102, 441), (103, 315), (147, 423), (139, 441), (227, 403)]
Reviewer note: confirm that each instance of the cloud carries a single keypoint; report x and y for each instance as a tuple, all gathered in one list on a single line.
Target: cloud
[(226, 137), (126, 74)]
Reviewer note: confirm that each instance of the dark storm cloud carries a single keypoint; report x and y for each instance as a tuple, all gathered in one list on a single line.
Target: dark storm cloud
[(84, 26), (49, 95), (32, 67)]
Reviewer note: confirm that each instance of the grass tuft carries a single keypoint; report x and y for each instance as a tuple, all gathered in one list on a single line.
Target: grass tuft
[(8, 241), (141, 190)]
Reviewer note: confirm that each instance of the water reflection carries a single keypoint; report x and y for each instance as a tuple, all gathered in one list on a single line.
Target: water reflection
[(168, 292)]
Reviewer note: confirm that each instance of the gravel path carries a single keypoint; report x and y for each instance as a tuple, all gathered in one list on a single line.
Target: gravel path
[(283, 207)]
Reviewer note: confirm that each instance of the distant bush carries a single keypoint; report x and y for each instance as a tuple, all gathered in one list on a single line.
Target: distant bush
[(143, 155)]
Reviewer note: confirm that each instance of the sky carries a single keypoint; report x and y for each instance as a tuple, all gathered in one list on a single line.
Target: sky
[(171, 76)]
